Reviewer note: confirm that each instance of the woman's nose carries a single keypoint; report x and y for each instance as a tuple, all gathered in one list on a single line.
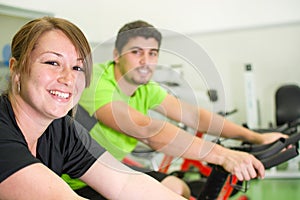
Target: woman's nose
[(66, 76)]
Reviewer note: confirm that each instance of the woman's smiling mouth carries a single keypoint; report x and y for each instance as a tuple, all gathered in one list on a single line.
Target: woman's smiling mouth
[(63, 95)]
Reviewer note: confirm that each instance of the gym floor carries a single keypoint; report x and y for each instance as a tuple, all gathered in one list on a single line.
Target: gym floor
[(275, 189), (282, 182)]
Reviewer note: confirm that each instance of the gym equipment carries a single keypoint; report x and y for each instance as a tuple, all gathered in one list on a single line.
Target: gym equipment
[(216, 182), (220, 183)]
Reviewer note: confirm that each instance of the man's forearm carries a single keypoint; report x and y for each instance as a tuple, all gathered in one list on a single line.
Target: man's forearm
[(176, 142)]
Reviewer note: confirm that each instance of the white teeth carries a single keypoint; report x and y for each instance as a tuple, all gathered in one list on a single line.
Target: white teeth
[(60, 94), (144, 71)]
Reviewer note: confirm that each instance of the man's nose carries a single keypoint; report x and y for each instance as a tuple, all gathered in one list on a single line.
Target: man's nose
[(144, 59)]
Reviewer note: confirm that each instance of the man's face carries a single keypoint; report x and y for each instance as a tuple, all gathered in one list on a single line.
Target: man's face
[(138, 60)]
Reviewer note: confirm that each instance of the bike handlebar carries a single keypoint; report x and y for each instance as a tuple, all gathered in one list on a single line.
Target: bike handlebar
[(264, 150), (280, 158), (287, 128), (283, 155), (270, 155)]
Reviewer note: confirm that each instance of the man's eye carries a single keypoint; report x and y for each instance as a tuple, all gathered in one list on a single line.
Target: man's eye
[(153, 53), (77, 68), (136, 51)]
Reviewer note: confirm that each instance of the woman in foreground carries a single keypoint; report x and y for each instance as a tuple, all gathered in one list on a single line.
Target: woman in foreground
[(50, 66)]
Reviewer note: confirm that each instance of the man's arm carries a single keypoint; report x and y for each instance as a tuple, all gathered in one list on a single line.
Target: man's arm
[(35, 181), (208, 122), (170, 139)]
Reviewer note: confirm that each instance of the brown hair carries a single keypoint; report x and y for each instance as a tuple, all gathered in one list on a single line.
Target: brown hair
[(25, 40), (136, 29)]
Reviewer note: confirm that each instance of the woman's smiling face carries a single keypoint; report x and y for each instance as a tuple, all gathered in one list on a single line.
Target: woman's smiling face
[(56, 79)]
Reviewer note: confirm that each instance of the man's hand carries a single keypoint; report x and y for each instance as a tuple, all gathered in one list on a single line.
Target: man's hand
[(243, 165), (266, 138)]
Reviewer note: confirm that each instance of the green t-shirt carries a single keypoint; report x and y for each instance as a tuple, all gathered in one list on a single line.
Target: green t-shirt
[(103, 90)]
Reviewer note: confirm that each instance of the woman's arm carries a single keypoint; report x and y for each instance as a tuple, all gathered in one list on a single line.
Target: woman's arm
[(36, 182), (116, 181)]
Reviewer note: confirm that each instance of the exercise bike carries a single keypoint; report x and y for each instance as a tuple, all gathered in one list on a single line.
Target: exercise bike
[(232, 186), (219, 181)]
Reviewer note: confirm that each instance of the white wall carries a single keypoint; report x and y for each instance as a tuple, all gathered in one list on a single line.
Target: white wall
[(11, 19), (232, 32), (274, 54), (100, 19)]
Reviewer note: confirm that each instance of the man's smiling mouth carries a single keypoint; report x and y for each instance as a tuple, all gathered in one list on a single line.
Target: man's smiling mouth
[(143, 70)]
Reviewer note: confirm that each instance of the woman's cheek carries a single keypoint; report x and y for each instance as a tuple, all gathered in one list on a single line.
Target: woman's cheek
[(80, 86)]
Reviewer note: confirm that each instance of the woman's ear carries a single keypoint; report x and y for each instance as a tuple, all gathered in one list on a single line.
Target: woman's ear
[(116, 55), (12, 64), (13, 69)]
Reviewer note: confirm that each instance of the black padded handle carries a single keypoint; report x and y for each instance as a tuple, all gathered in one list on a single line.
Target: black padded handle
[(271, 155), (294, 123), (293, 139), (273, 149), (262, 149), (253, 147), (280, 158)]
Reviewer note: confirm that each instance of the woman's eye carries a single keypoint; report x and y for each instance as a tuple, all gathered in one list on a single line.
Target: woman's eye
[(52, 63), (77, 68)]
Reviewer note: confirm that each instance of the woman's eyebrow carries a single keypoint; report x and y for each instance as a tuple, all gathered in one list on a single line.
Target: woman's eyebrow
[(60, 55), (52, 52)]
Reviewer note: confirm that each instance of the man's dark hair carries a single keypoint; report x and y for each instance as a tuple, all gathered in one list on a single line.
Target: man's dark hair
[(135, 29)]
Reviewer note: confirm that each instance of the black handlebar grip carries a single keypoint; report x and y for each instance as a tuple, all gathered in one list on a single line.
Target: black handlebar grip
[(257, 149), (270, 157), (280, 158), (214, 184), (292, 139), (295, 123), (260, 147), (275, 148), (252, 148), (282, 128)]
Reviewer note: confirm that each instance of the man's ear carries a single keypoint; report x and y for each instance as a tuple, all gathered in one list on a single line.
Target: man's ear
[(116, 55)]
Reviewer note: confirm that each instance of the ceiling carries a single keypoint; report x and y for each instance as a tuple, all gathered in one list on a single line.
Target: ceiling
[(100, 19)]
